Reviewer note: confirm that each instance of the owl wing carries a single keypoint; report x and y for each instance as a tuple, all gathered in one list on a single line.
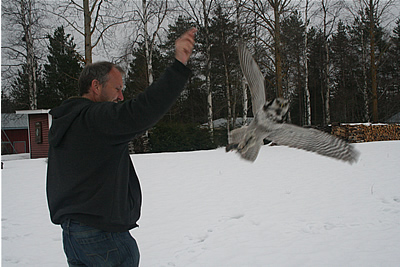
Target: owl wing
[(254, 77), (313, 140)]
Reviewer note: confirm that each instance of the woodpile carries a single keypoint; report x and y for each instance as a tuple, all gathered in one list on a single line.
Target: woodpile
[(367, 132)]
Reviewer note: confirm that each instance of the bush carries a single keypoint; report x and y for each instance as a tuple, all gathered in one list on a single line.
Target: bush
[(173, 137)]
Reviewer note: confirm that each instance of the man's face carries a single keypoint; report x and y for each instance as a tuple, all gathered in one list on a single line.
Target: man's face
[(111, 91)]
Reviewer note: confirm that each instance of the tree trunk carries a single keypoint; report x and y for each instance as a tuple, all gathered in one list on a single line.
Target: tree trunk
[(209, 93), (147, 51), (326, 94), (228, 93), (26, 10), (244, 87), (307, 109), (245, 100), (327, 118), (208, 70), (87, 20), (278, 54), (365, 85), (374, 84)]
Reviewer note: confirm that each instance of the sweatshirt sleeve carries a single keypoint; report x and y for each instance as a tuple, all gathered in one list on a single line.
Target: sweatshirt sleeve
[(122, 121)]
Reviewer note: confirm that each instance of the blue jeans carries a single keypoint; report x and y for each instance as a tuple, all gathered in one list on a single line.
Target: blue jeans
[(88, 246)]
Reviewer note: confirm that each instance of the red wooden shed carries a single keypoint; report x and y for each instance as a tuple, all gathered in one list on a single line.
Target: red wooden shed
[(14, 133), (39, 122)]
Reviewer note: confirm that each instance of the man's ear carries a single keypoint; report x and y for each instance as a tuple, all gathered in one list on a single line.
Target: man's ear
[(95, 87)]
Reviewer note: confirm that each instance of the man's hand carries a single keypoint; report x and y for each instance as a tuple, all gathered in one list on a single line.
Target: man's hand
[(184, 46)]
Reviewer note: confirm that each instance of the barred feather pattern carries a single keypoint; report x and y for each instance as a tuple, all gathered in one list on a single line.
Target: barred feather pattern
[(267, 123)]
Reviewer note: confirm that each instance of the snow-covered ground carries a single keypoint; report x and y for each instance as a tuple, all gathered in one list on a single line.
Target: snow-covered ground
[(210, 208)]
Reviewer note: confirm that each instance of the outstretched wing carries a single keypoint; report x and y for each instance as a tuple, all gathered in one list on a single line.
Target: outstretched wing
[(314, 141), (254, 77)]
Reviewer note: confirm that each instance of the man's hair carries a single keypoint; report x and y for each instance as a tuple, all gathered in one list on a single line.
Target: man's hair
[(96, 71)]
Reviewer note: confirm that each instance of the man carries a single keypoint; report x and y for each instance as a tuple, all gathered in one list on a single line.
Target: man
[(92, 187)]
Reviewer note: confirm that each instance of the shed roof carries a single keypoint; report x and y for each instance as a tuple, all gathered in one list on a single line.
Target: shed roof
[(12, 121), (395, 118), (33, 111)]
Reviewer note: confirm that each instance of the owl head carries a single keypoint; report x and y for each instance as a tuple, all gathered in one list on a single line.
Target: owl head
[(276, 109)]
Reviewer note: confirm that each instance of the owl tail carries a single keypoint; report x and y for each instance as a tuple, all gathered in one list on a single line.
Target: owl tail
[(237, 135), (247, 150), (250, 152)]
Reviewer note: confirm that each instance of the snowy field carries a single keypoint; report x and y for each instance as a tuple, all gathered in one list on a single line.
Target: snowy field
[(210, 208)]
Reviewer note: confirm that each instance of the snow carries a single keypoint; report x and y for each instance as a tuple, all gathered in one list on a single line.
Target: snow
[(210, 208)]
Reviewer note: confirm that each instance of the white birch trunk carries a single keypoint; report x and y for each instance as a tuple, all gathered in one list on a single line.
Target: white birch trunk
[(307, 89), (26, 8), (326, 95), (87, 20), (327, 119), (209, 96), (245, 100), (208, 70), (228, 95), (147, 51), (244, 87)]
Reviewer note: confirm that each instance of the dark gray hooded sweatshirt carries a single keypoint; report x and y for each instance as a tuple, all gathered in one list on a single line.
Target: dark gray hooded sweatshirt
[(90, 176)]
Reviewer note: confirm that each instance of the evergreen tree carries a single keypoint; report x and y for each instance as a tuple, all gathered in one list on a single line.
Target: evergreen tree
[(372, 67), (226, 82), (316, 44), (136, 79), (347, 100), (19, 88), (62, 72), (396, 37), (389, 100), (395, 56), (7, 104), (191, 106), (292, 37)]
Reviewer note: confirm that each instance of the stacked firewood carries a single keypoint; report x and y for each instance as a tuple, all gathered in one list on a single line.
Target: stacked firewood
[(357, 133)]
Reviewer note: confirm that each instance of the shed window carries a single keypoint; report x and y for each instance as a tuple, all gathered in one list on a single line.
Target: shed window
[(38, 132)]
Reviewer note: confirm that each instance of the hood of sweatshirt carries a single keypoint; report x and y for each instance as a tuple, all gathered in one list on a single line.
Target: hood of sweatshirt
[(63, 116)]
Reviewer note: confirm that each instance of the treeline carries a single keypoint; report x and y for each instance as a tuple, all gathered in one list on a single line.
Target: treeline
[(351, 74)]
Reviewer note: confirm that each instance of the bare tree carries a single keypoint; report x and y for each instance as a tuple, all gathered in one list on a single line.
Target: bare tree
[(269, 14), (151, 16), (330, 10), (19, 45), (99, 16)]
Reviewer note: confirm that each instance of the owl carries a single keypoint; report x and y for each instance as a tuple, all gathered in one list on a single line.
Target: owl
[(268, 123)]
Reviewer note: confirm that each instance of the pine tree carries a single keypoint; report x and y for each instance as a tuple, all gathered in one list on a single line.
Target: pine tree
[(225, 66), (137, 76), (389, 73), (19, 87), (7, 105), (62, 72), (292, 36), (20, 90), (347, 100), (191, 107), (316, 43)]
